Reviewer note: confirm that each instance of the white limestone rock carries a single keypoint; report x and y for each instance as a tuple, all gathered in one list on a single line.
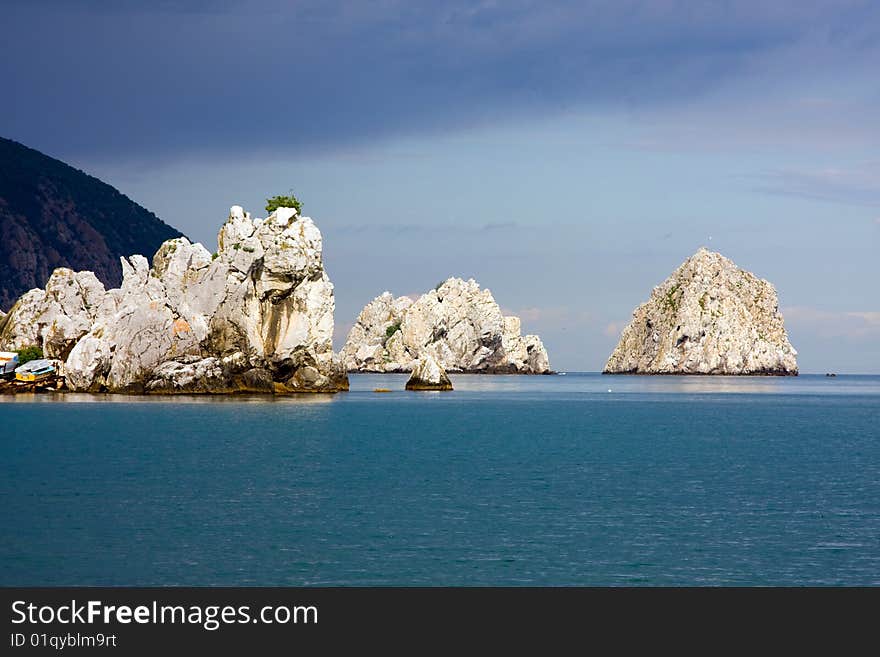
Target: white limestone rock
[(458, 323), (255, 316), (54, 318), (88, 365), (708, 317), (189, 375), (374, 342), (427, 374), (525, 349), (21, 327)]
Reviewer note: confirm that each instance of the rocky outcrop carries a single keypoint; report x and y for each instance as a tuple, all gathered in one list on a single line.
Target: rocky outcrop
[(255, 316), (374, 342), (708, 317), (458, 324), (428, 375), (57, 317)]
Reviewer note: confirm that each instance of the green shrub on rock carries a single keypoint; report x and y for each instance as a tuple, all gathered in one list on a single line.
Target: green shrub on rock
[(276, 202), (31, 352)]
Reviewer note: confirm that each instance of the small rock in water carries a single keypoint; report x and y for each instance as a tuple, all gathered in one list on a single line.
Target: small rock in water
[(428, 375)]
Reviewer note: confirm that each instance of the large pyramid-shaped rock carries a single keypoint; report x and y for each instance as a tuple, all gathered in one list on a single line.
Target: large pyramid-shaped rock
[(709, 317)]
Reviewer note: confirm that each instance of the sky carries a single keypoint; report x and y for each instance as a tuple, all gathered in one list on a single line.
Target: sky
[(566, 155)]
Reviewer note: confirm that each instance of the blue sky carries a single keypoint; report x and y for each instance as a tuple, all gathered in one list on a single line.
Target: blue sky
[(567, 155)]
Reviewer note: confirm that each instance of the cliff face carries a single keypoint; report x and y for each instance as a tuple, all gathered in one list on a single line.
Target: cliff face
[(255, 316), (708, 317), (52, 215), (458, 324)]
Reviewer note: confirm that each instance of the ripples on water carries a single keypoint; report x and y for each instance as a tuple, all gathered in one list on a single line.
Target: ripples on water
[(507, 480)]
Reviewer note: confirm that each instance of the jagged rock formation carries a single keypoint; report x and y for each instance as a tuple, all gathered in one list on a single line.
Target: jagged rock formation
[(55, 318), (52, 215), (708, 317), (255, 316), (428, 375), (457, 323)]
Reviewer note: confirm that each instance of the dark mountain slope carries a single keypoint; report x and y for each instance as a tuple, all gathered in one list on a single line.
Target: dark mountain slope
[(52, 215)]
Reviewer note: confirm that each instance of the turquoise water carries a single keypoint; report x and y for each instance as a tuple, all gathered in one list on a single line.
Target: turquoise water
[(506, 481)]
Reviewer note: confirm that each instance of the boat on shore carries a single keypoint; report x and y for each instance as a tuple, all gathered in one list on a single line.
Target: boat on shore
[(35, 370), (8, 364)]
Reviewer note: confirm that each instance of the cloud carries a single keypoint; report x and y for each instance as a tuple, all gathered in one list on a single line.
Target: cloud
[(552, 317), (426, 229), (307, 77), (533, 314), (857, 185), (871, 319), (614, 329), (500, 226), (832, 324)]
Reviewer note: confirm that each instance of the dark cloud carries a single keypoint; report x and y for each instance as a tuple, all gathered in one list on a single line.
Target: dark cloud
[(99, 78)]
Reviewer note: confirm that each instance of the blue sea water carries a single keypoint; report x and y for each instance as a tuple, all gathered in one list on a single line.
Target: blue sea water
[(555, 480)]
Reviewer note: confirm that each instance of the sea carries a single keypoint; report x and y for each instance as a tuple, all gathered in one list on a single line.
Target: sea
[(575, 479)]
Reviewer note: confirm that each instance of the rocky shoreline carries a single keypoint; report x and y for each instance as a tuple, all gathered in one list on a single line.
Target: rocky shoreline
[(257, 316)]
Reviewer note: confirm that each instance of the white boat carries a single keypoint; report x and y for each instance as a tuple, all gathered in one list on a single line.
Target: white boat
[(8, 364), (35, 370)]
